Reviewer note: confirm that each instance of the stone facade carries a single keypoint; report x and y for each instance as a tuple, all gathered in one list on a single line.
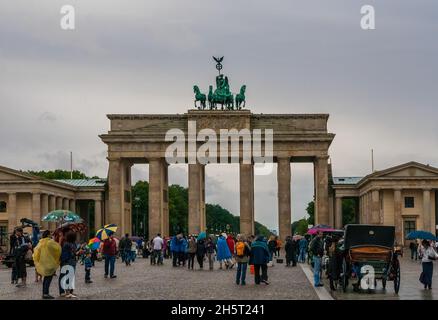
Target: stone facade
[(141, 139), (404, 196), (26, 196)]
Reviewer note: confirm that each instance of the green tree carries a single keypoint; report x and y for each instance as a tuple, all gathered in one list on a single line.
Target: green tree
[(218, 218), (300, 227), (311, 212), (59, 174), (349, 209), (140, 207)]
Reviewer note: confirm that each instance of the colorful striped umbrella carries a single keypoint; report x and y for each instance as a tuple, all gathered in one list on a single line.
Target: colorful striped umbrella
[(94, 243), (106, 231)]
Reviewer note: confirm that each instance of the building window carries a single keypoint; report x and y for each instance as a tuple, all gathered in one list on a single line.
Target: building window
[(3, 235), (409, 226), (409, 202), (3, 206)]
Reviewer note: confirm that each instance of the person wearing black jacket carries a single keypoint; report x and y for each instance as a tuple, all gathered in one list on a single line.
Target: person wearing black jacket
[(291, 248), (317, 250), (200, 252), (19, 247)]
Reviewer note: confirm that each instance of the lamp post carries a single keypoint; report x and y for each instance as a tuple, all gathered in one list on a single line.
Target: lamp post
[(136, 205)]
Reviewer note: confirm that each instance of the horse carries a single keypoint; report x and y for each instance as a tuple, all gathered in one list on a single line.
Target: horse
[(199, 97), (210, 98), (240, 98)]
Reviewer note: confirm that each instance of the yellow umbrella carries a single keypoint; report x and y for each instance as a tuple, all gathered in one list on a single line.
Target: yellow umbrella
[(106, 231)]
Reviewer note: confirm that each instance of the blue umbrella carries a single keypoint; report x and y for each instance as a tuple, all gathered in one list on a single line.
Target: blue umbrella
[(419, 234)]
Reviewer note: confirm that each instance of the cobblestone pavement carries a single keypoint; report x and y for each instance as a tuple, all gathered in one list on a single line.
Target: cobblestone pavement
[(143, 281), (410, 287)]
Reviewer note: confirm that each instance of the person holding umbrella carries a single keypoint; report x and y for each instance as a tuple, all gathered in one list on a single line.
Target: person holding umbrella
[(428, 254)]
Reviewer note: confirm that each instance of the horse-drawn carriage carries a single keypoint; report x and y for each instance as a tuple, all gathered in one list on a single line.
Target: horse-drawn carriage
[(369, 255)]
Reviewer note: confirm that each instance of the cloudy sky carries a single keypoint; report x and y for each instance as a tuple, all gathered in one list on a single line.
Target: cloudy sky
[(379, 86)]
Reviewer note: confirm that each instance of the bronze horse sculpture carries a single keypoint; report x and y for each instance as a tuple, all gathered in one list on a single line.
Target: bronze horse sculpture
[(199, 97)]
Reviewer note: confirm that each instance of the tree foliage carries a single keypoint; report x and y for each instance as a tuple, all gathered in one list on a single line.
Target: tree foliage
[(311, 212), (59, 174), (219, 219)]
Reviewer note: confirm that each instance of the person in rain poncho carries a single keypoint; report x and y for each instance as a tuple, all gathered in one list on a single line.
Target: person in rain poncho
[(223, 252), (46, 257)]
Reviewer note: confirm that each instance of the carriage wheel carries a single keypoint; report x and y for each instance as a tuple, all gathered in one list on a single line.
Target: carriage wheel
[(397, 276), (344, 275)]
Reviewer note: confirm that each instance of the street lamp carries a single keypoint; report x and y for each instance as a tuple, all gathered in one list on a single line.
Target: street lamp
[(136, 205)]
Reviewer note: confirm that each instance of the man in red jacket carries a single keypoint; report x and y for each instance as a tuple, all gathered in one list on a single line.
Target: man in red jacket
[(109, 251)]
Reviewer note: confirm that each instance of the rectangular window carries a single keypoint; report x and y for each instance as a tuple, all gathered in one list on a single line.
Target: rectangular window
[(3, 206), (409, 226), (409, 202)]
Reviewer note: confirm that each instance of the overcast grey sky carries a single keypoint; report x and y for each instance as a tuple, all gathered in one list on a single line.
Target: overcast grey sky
[(137, 56)]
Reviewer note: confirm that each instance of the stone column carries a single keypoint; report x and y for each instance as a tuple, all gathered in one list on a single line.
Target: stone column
[(44, 209), (116, 203), (58, 203), (375, 207), (97, 215), (52, 207), (36, 207), (196, 198), (321, 190), (338, 216), (72, 205), (158, 215), (65, 204), (398, 216), (246, 177), (284, 198), (426, 211), (12, 211)]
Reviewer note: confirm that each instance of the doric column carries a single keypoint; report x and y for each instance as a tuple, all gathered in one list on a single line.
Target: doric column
[(116, 202), (97, 215), (44, 209), (36, 207), (375, 207), (72, 205), (12, 211), (196, 198), (338, 216), (321, 190), (246, 182), (58, 203), (52, 207), (426, 211), (65, 204), (158, 198), (284, 198), (398, 216)]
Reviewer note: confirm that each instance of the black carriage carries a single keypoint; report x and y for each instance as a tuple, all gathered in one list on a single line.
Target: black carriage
[(369, 249)]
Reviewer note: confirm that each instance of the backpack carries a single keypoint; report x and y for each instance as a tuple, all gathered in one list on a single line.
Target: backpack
[(240, 249)]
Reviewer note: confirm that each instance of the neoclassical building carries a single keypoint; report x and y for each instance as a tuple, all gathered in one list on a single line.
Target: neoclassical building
[(23, 195), (404, 196)]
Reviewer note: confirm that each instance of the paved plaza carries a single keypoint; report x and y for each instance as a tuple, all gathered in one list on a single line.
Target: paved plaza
[(410, 287), (143, 281)]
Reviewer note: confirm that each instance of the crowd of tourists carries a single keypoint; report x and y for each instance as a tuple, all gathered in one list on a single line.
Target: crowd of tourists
[(255, 253)]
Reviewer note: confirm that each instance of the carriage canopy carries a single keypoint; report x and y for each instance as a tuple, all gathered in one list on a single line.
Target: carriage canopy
[(369, 235)]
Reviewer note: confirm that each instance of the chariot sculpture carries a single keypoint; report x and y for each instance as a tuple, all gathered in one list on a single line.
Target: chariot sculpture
[(221, 95)]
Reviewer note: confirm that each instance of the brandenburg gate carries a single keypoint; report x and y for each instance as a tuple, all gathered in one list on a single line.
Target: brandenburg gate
[(141, 138)]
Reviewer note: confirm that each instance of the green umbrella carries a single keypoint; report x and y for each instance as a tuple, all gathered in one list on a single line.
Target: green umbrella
[(62, 216)]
